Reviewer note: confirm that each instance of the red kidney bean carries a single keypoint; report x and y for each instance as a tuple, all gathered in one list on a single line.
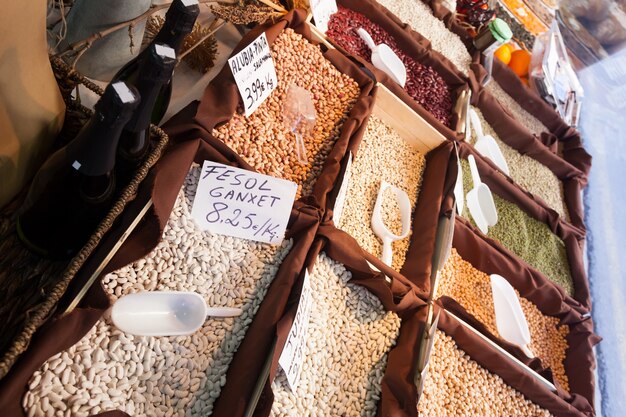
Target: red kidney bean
[(423, 83)]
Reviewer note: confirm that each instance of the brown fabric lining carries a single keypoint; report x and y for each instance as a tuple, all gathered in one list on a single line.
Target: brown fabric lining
[(221, 98), (488, 258), (573, 152), (403, 35), (570, 235)]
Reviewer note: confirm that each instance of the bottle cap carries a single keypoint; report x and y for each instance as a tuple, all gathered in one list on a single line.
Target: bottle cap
[(500, 30), (159, 63), (182, 15), (118, 100)]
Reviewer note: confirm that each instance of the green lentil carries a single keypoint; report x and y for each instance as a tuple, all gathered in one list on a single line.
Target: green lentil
[(528, 238)]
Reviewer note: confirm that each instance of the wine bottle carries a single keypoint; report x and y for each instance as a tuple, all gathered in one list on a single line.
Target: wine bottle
[(74, 189), (154, 72), (179, 21)]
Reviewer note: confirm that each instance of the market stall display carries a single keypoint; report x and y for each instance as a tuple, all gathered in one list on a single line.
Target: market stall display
[(526, 171), (472, 289), (478, 393), (529, 238), (347, 321), (436, 98), (261, 138), (413, 329), (421, 19), (185, 373), (383, 155)]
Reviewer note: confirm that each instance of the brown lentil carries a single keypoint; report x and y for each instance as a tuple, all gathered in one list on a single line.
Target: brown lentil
[(472, 289), (458, 386), (265, 143), (528, 238), (529, 173), (382, 155), (348, 338), (423, 83), (164, 376)]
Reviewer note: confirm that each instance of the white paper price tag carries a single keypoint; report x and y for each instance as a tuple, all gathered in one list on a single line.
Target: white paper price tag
[(322, 11), (235, 202), (292, 357), (254, 72), (343, 191)]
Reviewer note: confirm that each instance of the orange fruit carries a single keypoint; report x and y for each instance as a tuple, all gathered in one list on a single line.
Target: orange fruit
[(520, 61), (503, 53), (525, 81)]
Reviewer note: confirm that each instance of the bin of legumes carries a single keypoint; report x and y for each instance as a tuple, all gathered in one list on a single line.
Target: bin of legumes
[(177, 375), (340, 92), (434, 88), (531, 232), (391, 151), (354, 321), (561, 331), (467, 374)]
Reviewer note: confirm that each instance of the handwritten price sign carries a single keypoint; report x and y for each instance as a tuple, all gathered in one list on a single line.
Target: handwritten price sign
[(235, 202), (292, 357), (254, 72)]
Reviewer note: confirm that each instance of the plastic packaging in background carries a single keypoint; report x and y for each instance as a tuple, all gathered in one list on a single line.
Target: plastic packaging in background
[(552, 76), (299, 117), (612, 30), (592, 10)]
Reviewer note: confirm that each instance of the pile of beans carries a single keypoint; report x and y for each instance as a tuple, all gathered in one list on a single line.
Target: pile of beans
[(382, 155), (421, 19), (159, 376), (348, 338), (458, 386), (263, 140), (423, 83), (528, 238), (529, 173), (529, 121), (472, 289)]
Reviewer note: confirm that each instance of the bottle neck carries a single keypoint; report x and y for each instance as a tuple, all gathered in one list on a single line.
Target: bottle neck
[(92, 152), (149, 90), (171, 36)]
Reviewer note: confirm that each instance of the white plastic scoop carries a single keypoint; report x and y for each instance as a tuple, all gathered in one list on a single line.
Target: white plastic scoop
[(378, 226), (480, 201), (384, 58), (164, 313), (486, 145), (510, 319)]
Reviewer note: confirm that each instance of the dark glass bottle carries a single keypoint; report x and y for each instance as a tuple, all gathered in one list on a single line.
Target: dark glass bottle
[(74, 189), (154, 72), (179, 21)]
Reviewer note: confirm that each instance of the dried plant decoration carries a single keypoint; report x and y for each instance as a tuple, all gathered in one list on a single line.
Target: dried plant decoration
[(298, 4), (245, 14), (199, 48)]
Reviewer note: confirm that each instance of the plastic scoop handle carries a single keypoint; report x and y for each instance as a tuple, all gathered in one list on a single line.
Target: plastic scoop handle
[(474, 171), (475, 122), (367, 38)]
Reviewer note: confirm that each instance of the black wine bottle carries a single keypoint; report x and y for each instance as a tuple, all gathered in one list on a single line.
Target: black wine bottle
[(179, 21), (74, 189), (154, 72)]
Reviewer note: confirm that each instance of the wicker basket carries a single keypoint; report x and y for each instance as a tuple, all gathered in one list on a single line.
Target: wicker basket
[(32, 286)]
